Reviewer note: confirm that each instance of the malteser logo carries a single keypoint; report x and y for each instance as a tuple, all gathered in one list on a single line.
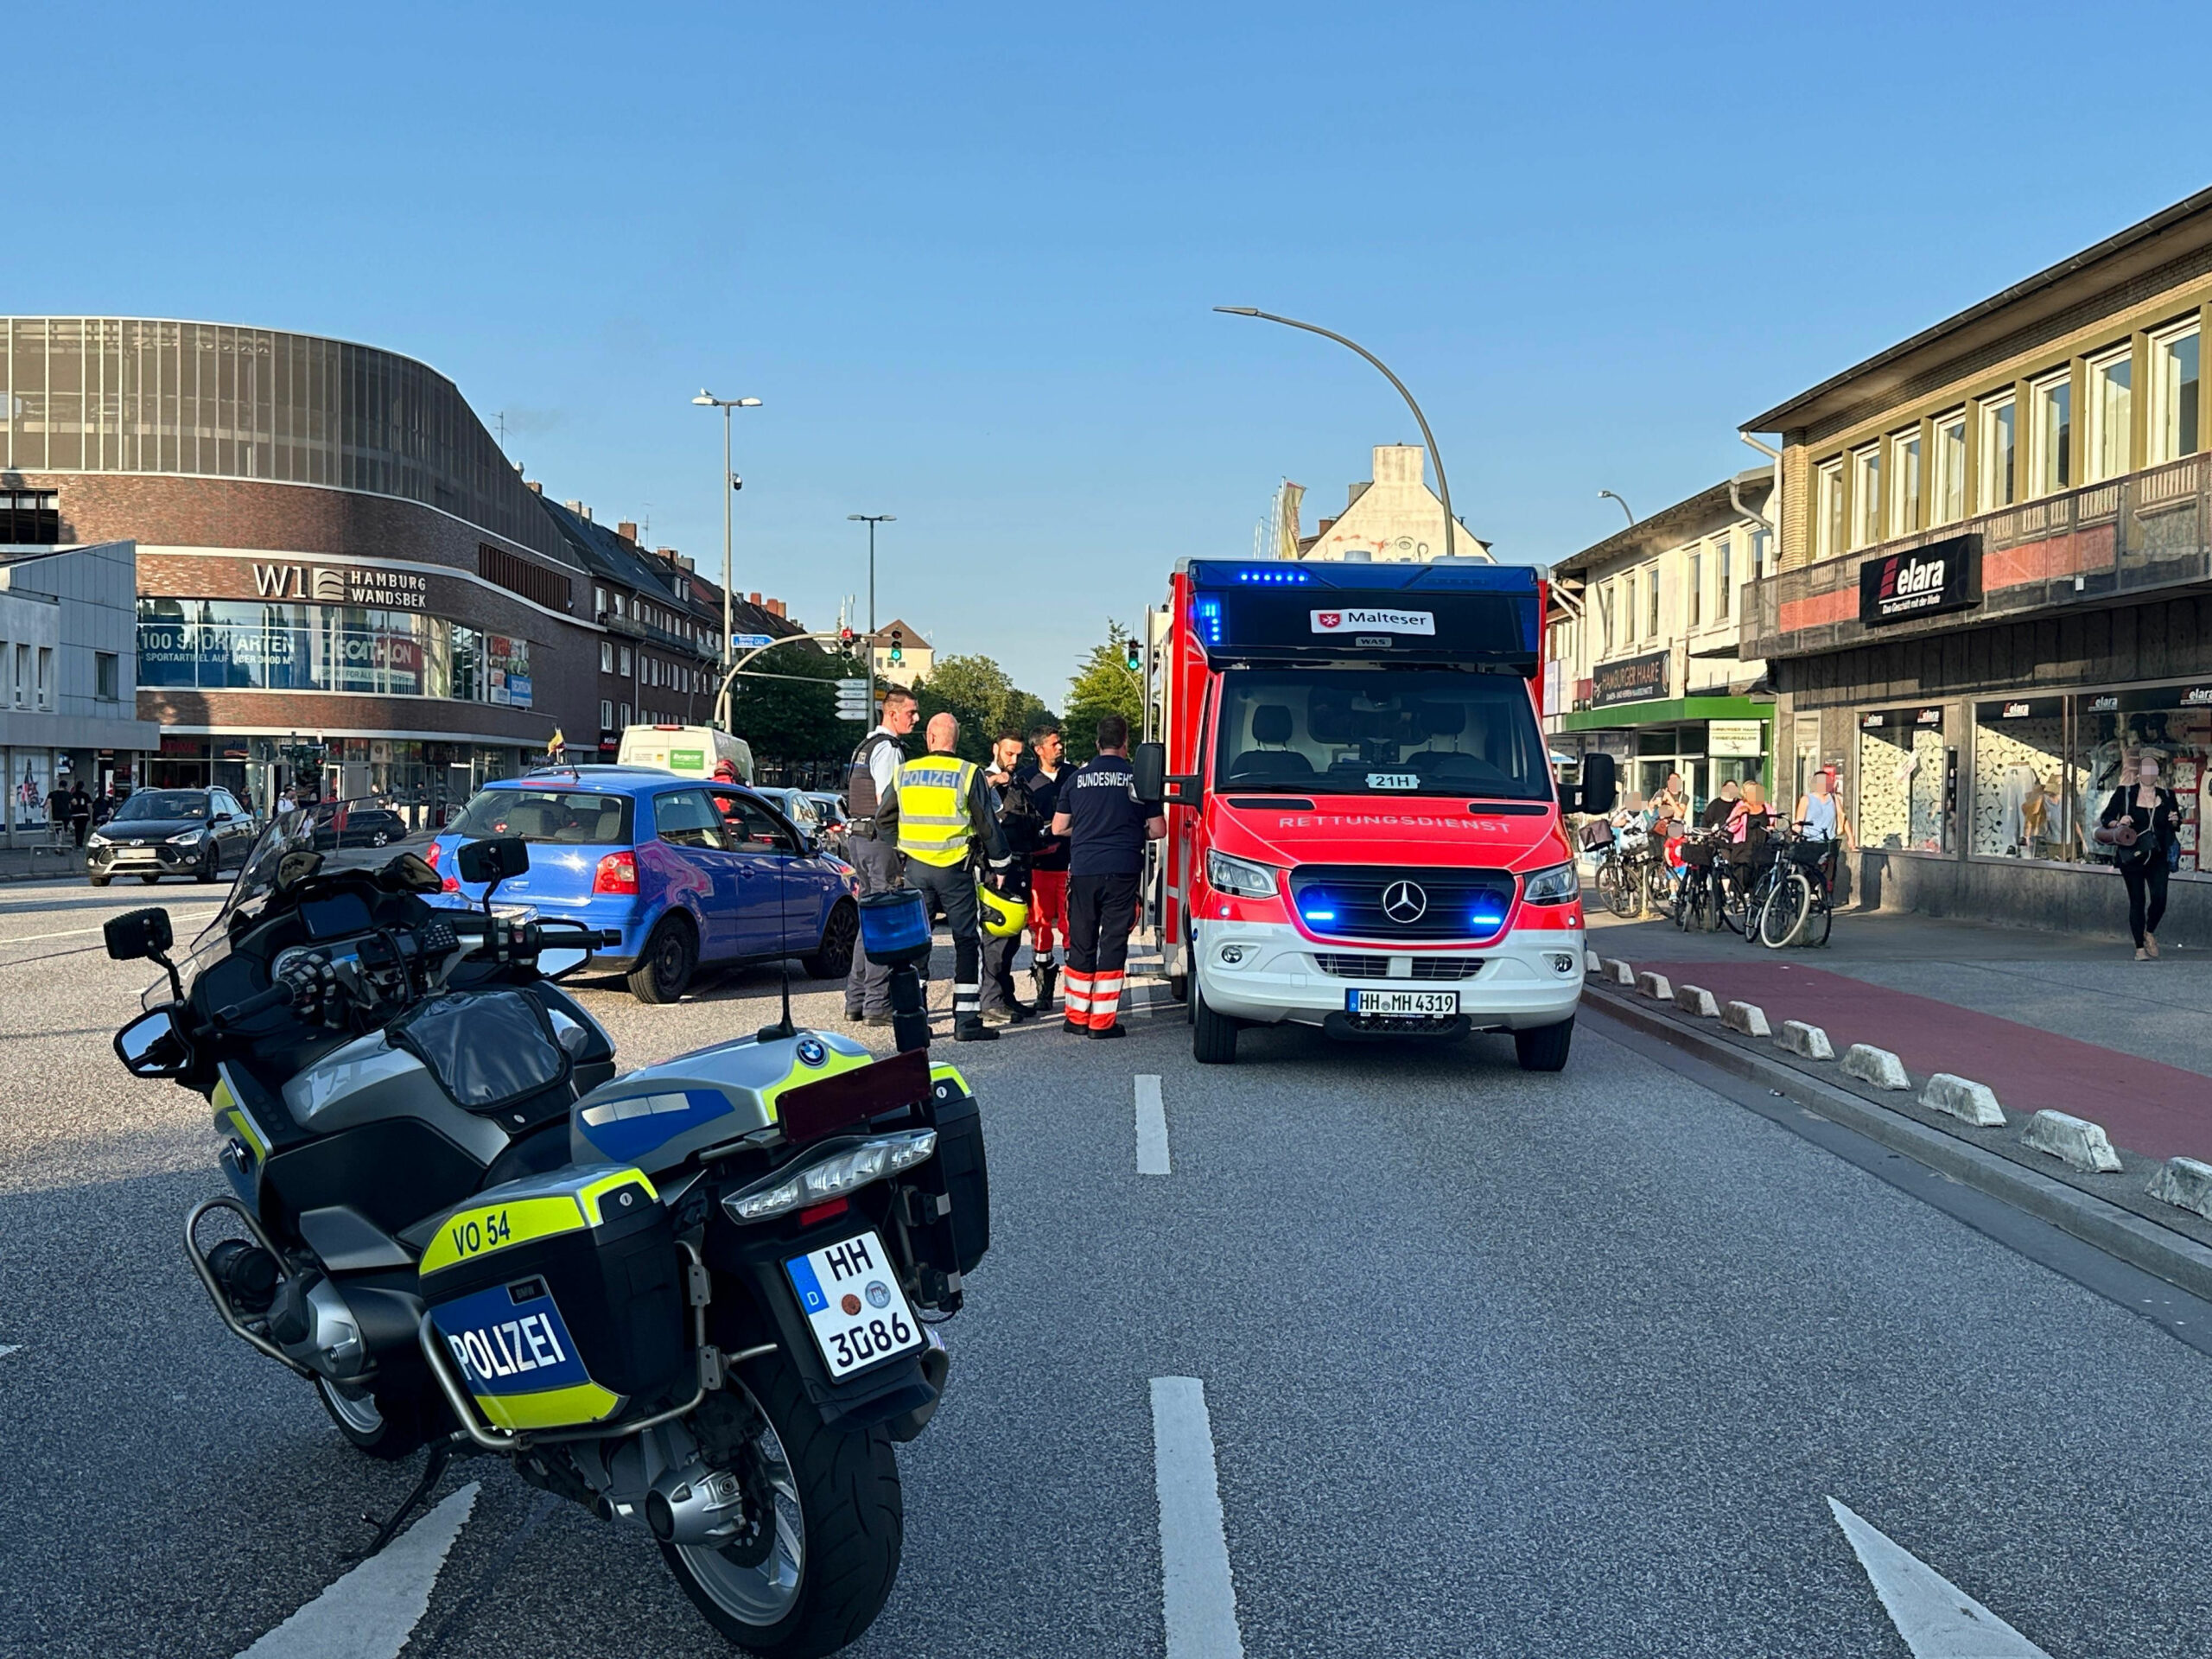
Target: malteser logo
[(1375, 621)]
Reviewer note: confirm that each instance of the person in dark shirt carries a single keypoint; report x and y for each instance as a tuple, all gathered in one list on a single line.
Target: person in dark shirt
[(1048, 862), (1717, 809), (1018, 822), (1107, 827)]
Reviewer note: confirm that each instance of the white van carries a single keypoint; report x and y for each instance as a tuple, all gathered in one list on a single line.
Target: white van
[(693, 751)]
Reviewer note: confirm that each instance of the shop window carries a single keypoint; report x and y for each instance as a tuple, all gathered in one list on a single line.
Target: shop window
[(107, 677), (1905, 482), (1866, 496), (2113, 731), (1949, 503), (2000, 478), (1693, 594), (1828, 523), (2174, 393), (1903, 777), (1724, 594), (2027, 802), (2050, 461), (2112, 396)]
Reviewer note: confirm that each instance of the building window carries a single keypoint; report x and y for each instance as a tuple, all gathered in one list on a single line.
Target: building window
[(607, 657), (107, 676), (1762, 552), (626, 713), (2050, 456), (2000, 455), (1867, 495), (23, 687), (1949, 504), (2173, 393), (1651, 604), (1905, 482), (1723, 560), (1605, 617), (606, 715), (29, 517), (621, 606), (46, 676), (1901, 770), (1694, 596), (1828, 526), (1631, 610), (2111, 398), (625, 657)]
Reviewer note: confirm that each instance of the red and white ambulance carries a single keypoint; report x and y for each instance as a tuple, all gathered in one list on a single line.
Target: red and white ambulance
[(1364, 834)]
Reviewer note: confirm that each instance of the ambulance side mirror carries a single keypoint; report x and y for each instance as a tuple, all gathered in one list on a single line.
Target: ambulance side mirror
[(1600, 786), (1149, 762)]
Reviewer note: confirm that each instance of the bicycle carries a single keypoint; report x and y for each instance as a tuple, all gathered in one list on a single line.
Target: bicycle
[(1699, 902), (1791, 898), (1622, 873)]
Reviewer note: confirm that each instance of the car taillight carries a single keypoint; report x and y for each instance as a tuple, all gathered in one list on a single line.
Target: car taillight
[(452, 885), (430, 857), (617, 872)]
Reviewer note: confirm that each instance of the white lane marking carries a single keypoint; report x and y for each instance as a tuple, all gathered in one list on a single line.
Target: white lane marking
[(78, 932), (8, 1348), (370, 1612), (1937, 1618), (1198, 1600), (1151, 1128)]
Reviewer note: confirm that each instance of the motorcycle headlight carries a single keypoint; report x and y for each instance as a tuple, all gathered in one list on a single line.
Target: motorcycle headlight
[(833, 1177), (1239, 876), (1554, 885), (189, 838)]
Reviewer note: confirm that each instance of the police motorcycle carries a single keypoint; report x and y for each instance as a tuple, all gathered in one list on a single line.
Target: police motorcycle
[(699, 1297)]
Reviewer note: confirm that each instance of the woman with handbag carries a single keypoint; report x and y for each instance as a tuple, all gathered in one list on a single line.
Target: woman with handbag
[(2141, 824)]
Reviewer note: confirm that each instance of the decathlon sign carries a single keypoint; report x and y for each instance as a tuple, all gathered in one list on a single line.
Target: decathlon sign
[(1919, 581)]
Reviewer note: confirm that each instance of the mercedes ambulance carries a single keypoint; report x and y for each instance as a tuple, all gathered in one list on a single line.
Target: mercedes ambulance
[(1364, 833)]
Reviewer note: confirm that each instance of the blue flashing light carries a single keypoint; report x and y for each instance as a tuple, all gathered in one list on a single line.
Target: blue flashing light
[(1484, 916), (1275, 578), (1205, 612), (1320, 915)]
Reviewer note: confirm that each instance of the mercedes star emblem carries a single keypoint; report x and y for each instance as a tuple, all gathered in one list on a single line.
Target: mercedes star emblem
[(1404, 903)]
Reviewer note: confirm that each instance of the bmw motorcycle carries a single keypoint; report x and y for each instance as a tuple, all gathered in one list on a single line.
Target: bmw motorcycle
[(699, 1297)]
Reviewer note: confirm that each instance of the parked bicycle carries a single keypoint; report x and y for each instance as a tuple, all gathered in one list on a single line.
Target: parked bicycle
[(1790, 901)]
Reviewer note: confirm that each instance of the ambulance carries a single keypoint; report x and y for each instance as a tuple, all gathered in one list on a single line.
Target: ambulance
[(1364, 834)]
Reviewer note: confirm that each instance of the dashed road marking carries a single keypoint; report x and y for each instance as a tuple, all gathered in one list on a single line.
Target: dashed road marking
[(1198, 1599), (1151, 1128), (1937, 1618), (8, 1348), (370, 1612)]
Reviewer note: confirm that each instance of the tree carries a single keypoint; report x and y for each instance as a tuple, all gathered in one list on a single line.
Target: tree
[(1104, 685), (982, 697)]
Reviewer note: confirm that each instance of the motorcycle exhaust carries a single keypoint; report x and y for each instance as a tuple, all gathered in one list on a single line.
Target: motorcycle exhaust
[(696, 1505)]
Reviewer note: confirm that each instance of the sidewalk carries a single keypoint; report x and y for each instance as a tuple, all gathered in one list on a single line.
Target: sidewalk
[(41, 863)]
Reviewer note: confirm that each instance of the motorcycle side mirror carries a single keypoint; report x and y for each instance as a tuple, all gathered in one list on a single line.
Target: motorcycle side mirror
[(494, 860), (137, 934), (151, 1045), (409, 872), (1149, 762), (1599, 785), (551, 965)]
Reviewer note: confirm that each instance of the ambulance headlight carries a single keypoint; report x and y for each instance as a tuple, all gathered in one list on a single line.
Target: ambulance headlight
[(843, 1171), (1239, 876), (1554, 886)]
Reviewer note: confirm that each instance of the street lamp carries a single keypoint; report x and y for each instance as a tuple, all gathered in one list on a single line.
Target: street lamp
[(1607, 495), (708, 400), (871, 519), (1443, 488)]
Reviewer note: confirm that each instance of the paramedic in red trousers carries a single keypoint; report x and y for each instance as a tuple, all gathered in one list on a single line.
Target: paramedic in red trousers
[(1107, 827), (1048, 863)]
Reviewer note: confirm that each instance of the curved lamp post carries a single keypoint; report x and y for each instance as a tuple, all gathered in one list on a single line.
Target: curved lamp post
[(871, 519), (1607, 495), (1443, 488)]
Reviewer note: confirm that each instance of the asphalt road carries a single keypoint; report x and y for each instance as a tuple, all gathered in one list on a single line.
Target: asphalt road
[(1492, 1364)]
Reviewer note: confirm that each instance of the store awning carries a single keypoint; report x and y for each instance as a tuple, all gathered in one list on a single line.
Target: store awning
[(1664, 711)]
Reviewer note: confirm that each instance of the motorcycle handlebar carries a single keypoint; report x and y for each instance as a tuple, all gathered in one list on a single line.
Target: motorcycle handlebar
[(275, 996)]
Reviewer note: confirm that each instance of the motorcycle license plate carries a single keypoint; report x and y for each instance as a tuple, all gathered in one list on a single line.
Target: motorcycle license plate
[(852, 1304), (1403, 1004)]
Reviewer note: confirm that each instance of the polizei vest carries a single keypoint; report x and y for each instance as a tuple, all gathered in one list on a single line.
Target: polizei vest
[(933, 808)]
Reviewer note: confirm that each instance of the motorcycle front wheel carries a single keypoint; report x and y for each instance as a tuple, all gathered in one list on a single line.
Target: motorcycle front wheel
[(840, 1524)]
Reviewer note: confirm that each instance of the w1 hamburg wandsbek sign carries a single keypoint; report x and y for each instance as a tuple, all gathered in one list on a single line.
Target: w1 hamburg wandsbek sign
[(1920, 582)]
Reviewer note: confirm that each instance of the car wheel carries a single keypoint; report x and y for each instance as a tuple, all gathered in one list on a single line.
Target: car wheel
[(149, 880), (99, 880), (381, 838), (1544, 1048), (665, 965), (834, 958), (210, 867), (1213, 1036)]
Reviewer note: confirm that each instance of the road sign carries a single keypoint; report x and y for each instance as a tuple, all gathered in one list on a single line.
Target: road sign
[(853, 700), (852, 688), (750, 641)]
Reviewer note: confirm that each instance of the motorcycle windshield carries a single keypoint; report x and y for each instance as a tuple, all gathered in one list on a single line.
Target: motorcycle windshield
[(341, 834)]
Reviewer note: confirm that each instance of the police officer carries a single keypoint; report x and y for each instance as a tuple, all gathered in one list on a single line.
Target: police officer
[(942, 808), (1107, 827), (869, 781), (1019, 822)]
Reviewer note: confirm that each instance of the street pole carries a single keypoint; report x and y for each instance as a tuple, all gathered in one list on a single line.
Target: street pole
[(708, 400), (871, 519), (1443, 488)]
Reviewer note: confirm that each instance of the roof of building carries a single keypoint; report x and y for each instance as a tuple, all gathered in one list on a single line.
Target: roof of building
[(2143, 246), (1671, 524), (911, 635), (616, 558)]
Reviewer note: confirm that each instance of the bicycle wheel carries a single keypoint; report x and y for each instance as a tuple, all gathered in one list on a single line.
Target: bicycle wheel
[(1818, 918), (1788, 904), (1626, 893), (1735, 899)]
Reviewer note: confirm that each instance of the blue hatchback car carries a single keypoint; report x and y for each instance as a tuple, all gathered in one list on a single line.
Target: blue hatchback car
[(689, 872)]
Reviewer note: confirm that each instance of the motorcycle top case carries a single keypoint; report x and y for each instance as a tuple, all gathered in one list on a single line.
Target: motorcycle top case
[(560, 1296)]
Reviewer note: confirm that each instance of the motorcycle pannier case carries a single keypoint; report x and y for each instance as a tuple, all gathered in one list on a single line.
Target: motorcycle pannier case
[(560, 1296)]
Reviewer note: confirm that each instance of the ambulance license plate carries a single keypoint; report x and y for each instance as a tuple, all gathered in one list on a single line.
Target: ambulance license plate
[(852, 1304), (1403, 1004)]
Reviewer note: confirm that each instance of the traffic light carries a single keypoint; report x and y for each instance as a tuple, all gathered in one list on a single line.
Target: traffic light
[(1133, 655), (898, 647), (845, 637)]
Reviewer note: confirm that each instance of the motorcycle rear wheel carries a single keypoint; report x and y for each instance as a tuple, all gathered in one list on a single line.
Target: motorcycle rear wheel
[(387, 1426), (840, 1527)]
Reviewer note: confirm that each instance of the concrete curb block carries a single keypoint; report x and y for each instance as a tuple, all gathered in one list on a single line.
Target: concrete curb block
[(2185, 1184), (2075, 1141), (1614, 971), (1876, 1065), (1809, 1042), (1589, 963), (1970, 1103), (1748, 1018), (2135, 1239), (1655, 987), (1695, 999)]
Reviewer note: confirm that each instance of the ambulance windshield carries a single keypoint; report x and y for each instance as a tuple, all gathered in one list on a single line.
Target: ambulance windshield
[(1379, 732)]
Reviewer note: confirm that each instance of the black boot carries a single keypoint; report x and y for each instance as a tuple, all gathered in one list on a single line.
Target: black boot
[(971, 1028), (1045, 978)]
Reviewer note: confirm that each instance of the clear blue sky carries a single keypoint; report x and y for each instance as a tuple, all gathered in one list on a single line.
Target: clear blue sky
[(966, 253)]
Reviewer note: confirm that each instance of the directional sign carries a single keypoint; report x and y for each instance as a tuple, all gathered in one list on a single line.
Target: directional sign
[(852, 688), (750, 641)]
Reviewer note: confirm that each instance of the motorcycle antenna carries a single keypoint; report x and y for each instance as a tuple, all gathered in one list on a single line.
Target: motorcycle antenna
[(783, 1027)]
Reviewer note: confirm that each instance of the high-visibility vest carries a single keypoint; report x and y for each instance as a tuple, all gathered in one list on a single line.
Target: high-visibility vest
[(933, 808)]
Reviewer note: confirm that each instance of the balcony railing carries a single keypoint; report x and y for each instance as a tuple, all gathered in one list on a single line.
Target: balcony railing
[(2136, 534)]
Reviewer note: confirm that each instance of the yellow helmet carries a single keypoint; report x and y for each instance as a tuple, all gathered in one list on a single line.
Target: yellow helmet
[(1003, 915)]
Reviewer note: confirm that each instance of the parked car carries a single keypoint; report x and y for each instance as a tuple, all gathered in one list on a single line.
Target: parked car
[(365, 826), (157, 832), (796, 806), (689, 872)]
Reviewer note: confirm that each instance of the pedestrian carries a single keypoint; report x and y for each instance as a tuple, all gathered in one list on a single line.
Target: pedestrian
[(1048, 865), (1717, 810), (944, 814), (1820, 815), (1107, 827), (1669, 806), (81, 813), (57, 813), (2142, 825), (870, 778), (1018, 822), (1747, 827)]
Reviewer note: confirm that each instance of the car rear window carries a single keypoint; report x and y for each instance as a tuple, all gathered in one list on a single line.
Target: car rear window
[(575, 815)]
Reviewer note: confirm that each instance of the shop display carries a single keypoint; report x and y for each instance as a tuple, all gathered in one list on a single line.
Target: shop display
[(2113, 730), (2024, 803), (1903, 765)]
